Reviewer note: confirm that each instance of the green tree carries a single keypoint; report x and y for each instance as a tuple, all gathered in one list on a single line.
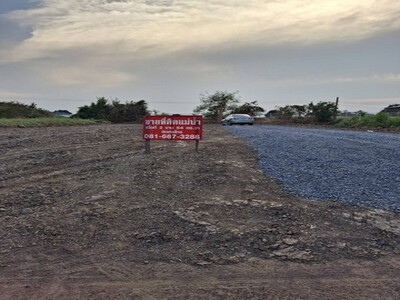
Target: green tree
[(115, 111), (286, 112), (99, 110), (323, 112), (290, 111), (381, 119), (300, 110), (250, 108), (216, 105)]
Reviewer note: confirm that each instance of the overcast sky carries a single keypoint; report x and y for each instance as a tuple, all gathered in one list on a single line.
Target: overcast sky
[(62, 54)]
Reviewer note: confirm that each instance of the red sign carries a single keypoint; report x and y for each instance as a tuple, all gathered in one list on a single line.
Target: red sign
[(173, 128)]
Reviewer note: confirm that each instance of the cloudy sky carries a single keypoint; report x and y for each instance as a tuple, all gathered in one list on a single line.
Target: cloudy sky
[(62, 54)]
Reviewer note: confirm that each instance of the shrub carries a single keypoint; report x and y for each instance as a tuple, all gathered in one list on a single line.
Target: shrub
[(381, 119), (115, 111), (10, 110)]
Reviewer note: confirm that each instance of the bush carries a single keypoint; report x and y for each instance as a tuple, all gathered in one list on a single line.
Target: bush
[(10, 110), (322, 112), (114, 112), (382, 120)]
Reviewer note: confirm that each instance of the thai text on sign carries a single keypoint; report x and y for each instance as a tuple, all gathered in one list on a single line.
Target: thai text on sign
[(173, 128)]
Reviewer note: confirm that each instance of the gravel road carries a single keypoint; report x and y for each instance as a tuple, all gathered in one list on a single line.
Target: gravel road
[(361, 168)]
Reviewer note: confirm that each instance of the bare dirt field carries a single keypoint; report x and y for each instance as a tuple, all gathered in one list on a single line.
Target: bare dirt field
[(86, 214)]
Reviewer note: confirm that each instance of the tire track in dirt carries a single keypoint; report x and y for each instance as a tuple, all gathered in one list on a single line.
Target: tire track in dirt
[(266, 279), (39, 174)]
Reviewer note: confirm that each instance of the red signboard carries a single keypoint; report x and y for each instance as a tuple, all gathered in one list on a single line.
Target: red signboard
[(173, 128)]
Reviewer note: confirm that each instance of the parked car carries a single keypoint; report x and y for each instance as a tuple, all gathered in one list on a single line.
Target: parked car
[(240, 119)]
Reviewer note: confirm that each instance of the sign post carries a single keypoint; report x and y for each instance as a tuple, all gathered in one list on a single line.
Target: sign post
[(147, 146), (172, 128)]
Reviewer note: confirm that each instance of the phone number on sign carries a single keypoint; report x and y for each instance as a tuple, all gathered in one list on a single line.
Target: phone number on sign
[(151, 136)]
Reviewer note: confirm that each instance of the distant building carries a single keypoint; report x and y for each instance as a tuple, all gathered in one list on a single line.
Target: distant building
[(392, 110), (62, 113), (347, 113)]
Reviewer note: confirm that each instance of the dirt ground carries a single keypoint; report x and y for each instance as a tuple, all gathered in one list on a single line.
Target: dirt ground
[(86, 214)]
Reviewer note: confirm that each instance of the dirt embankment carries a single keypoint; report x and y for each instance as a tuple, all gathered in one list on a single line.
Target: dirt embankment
[(84, 213)]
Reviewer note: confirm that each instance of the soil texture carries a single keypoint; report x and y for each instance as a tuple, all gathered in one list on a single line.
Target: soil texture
[(86, 214)]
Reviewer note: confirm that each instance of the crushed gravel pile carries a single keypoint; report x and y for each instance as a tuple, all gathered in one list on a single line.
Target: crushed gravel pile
[(361, 168)]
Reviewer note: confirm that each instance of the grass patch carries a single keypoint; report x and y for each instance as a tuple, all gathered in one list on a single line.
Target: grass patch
[(380, 120), (43, 122)]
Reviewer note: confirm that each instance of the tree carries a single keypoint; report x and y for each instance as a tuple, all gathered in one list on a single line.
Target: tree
[(99, 110), (250, 108), (286, 112), (290, 111), (323, 112), (360, 113), (216, 105), (115, 112), (300, 110)]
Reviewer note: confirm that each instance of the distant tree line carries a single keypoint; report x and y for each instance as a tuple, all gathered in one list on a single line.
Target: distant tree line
[(114, 111), (322, 112)]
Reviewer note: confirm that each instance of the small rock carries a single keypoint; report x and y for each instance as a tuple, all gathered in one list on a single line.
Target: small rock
[(290, 241), (46, 202), (233, 259), (341, 245), (26, 211), (97, 197), (283, 252), (261, 247), (302, 255), (275, 246), (203, 263)]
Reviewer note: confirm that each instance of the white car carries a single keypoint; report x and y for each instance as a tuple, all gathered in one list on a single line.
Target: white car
[(240, 119)]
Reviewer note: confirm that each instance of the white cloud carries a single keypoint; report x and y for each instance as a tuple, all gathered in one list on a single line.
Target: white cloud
[(142, 29), (76, 77), (89, 44)]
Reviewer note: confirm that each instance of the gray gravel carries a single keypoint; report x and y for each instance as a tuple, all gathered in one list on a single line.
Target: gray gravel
[(361, 168)]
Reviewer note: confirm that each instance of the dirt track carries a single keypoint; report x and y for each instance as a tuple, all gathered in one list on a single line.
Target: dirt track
[(84, 213)]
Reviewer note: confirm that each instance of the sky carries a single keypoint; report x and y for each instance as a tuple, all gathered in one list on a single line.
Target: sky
[(63, 54)]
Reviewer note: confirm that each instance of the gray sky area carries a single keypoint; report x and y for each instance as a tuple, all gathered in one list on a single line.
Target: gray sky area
[(64, 54)]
